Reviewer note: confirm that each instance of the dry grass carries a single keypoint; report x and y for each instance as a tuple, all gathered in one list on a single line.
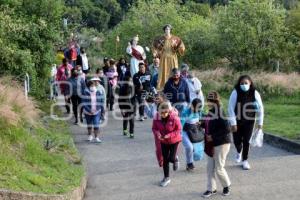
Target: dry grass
[(290, 82), (226, 78), (14, 107)]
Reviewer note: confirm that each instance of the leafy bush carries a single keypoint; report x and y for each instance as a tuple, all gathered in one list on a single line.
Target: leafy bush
[(28, 32), (252, 33)]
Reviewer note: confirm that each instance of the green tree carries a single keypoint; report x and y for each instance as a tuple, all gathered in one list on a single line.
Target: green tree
[(98, 14), (252, 34), (202, 9), (30, 48), (293, 23), (147, 19)]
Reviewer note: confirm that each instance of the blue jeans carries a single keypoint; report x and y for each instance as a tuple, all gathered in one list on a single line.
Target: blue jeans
[(188, 146), (154, 80), (93, 121)]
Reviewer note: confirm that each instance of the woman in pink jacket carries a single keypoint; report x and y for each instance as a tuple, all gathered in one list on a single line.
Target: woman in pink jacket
[(167, 127)]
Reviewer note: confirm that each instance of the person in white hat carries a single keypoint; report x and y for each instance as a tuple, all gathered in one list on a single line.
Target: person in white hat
[(93, 108)]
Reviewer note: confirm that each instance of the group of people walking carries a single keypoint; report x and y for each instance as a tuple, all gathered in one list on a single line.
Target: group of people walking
[(177, 111), (84, 92), (190, 121)]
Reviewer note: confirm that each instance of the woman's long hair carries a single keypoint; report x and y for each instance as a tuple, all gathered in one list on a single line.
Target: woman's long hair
[(247, 77)]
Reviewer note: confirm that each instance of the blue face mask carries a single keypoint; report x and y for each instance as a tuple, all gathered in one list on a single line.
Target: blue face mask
[(245, 87)]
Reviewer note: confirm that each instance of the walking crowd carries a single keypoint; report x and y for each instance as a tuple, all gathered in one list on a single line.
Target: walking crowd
[(179, 110)]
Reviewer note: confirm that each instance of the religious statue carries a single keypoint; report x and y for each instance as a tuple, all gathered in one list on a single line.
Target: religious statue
[(137, 54), (166, 48)]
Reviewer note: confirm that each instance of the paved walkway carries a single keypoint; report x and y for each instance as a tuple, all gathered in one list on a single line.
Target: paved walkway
[(126, 169)]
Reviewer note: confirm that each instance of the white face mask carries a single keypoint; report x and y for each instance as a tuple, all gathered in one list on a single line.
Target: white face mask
[(245, 87), (93, 89)]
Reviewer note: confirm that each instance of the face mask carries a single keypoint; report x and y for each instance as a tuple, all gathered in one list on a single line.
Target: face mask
[(245, 87), (93, 89), (184, 74), (80, 72), (175, 78)]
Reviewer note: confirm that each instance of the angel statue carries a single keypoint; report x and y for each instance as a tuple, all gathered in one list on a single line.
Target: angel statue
[(137, 54)]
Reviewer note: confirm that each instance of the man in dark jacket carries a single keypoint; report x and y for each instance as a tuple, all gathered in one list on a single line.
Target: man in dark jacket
[(142, 84), (177, 91), (74, 91)]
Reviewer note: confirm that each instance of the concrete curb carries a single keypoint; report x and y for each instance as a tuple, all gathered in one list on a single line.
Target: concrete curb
[(76, 194), (282, 143)]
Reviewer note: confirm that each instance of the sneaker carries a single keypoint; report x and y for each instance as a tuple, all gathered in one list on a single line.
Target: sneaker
[(142, 118), (246, 165), (238, 158), (98, 140), (176, 164), (76, 122), (165, 182), (209, 193), (226, 191), (131, 135), (90, 138), (125, 132), (190, 167)]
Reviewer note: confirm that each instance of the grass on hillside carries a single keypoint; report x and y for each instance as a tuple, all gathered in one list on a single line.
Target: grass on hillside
[(37, 154), (26, 165)]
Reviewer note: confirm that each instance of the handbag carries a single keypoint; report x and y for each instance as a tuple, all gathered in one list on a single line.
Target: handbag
[(194, 133), (198, 152), (257, 138)]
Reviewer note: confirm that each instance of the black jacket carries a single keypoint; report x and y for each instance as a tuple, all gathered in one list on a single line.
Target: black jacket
[(177, 94), (245, 104), (122, 75), (144, 80), (79, 60), (219, 128), (126, 98)]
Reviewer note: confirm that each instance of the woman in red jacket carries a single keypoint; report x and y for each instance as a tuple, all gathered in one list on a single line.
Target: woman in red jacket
[(167, 127)]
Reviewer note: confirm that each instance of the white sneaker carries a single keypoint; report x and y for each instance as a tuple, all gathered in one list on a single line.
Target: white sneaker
[(165, 182), (238, 158), (142, 119), (246, 165), (90, 138), (98, 140)]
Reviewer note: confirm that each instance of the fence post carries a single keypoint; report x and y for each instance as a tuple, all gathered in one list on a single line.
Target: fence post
[(26, 85), (25, 89), (28, 82)]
